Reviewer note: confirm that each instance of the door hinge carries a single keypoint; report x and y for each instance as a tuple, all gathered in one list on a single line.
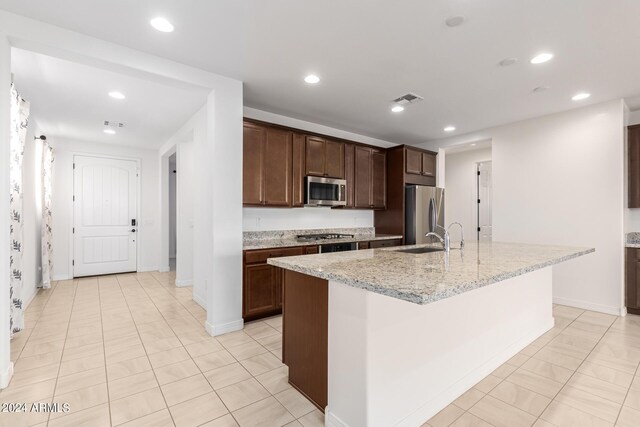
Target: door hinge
[(478, 173), (74, 198), (478, 228), (73, 262), (73, 230), (478, 200), (74, 165)]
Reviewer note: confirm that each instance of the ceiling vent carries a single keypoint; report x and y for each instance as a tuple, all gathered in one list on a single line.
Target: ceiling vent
[(410, 98), (113, 124)]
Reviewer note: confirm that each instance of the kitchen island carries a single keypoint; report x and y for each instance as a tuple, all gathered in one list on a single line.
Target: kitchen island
[(383, 337)]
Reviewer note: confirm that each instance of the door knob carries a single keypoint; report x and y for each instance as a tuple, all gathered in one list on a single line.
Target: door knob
[(133, 230)]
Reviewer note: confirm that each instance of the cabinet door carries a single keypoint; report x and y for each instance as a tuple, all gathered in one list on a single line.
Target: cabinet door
[(349, 172), (414, 162), (378, 179), (362, 187), (277, 167), (315, 156), (384, 243), (260, 282), (334, 159), (298, 170), (252, 164), (428, 164), (634, 167), (363, 245)]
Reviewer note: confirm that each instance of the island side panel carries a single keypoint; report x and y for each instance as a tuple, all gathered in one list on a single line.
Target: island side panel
[(406, 362), (304, 334)]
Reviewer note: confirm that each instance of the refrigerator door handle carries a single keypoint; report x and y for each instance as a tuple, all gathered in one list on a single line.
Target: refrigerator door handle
[(433, 215)]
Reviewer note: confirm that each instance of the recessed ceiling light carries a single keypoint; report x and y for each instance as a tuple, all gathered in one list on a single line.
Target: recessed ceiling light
[(540, 89), (312, 79), (109, 131), (473, 145), (580, 96), (508, 61), (449, 128), (455, 21), (541, 57), (117, 95), (161, 24), (397, 108)]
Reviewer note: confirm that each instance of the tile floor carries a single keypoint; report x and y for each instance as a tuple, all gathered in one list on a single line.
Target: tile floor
[(131, 350)]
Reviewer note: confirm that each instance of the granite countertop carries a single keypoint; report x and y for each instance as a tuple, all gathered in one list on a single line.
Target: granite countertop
[(633, 240), (429, 277), (292, 241)]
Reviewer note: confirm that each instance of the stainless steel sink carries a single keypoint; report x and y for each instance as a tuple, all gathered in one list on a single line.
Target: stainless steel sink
[(421, 250)]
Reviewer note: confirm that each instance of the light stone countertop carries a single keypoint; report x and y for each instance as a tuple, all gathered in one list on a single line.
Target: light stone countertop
[(429, 277), (292, 241)]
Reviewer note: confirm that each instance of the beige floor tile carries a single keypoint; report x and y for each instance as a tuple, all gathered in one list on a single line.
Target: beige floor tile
[(488, 383), (215, 360), (132, 384), (312, 419), (82, 352), (521, 398), (518, 359), (241, 394), (295, 402), (469, 398), (469, 420), (80, 380), (535, 383), (127, 368), (98, 416), (504, 370), (227, 375), (628, 417), (200, 410), (82, 399), (259, 330), (41, 348), (161, 418), (223, 421), (30, 393), (445, 417), (275, 381), (83, 364), (501, 414), (548, 370), (26, 363), (589, 403), (168, 357), (136, 406), (559, 359), (542, 423), (633, 399), (272, 342), (35, 375), (177, 371), (261, 363), (163, 344), (266, 412), (207, 346), (598, 387), (122, 353), (247, 350), (233, 339), (185, 389), (562, 415)]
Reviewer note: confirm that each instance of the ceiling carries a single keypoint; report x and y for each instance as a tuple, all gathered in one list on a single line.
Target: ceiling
[(368, 52), (71, 100)]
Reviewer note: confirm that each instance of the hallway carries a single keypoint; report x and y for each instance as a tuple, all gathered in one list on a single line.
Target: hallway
[(131, 349)]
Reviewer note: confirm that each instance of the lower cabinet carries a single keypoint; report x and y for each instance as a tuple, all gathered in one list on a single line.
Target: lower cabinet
[(384, 243), (262, 283), (632, 279)]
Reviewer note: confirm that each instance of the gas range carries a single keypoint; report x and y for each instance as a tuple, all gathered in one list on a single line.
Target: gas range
[(323, 237)]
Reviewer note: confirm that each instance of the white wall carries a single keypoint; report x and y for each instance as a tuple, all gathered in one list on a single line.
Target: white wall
[(148, 217), (461, 190), (172, 208), (631, 216), (558, 179), (255, 219), (185, 222), (634, 118)]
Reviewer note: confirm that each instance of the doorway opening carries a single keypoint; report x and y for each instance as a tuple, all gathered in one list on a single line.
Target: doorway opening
[(173, 233), (485, 194)]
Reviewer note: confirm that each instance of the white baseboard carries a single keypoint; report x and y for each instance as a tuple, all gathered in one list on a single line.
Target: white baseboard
[(183, 283), (586, 305), (331, 420), (201, 302), (215, 330), (434, 406), (164, 269), (59, 277), (5, 377), (145, 269), (27, 301)]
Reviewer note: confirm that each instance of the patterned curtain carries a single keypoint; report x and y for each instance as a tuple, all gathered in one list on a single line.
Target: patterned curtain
[(47, 252), (19, 116)]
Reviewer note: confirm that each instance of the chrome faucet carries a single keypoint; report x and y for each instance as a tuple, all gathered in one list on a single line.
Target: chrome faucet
[(444, 239), (461, 233)]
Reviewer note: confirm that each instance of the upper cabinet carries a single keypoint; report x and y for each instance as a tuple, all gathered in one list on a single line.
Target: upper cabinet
[(634, 166), (267, 166), (369, 178), (324, 157), (420, 163)]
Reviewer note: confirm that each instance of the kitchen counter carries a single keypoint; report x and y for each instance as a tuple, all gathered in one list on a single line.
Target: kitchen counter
[(429, 277), (285, 242)]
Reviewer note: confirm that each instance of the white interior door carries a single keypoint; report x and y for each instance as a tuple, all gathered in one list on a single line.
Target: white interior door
[(485, 194), (104, 216)]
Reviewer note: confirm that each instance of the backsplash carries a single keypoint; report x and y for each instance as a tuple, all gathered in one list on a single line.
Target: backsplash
[(633, 237), (291, 234), (263, 219)]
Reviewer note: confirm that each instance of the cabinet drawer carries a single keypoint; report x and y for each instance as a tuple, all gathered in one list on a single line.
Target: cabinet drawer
[(311, 250), (385, 243), (262, 255), (363, 245)]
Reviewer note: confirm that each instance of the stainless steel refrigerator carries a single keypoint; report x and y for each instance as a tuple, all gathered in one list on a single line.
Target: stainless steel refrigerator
[(424, 208)]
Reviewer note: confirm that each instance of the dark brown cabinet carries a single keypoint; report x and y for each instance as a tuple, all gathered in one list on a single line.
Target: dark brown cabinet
[(324, 157), (298, 170), (267, 161), (369, 178), (384, 243), (262, 283), (632, 276), (349, 173), (634, 166), (420, 163)]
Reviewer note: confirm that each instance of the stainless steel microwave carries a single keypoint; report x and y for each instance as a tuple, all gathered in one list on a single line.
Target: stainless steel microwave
[(325, 191)]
